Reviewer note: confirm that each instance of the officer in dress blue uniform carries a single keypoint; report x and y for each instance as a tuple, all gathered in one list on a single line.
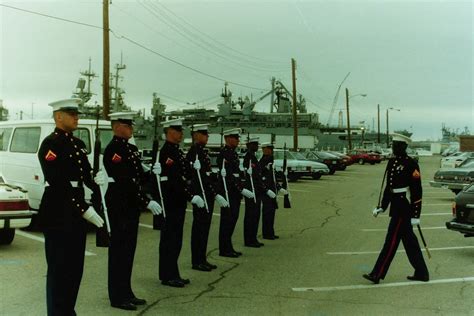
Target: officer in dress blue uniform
[(202, 217), (124, 199), (403, 177), (63, 210), (252, 206), (175, 171), (233, 187), (269, 202)]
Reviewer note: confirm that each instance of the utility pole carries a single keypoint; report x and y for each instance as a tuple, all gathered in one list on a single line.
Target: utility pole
[(272, 96), (349, 142), (387, 128), (106, 61), (295, 122), (378, 123)]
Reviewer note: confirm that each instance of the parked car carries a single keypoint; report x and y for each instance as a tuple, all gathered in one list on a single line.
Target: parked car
[(346, 160), (333, 162), (14, 211), (456, 159), (413, 154), (455, 179), (463, 212), (361, 156)]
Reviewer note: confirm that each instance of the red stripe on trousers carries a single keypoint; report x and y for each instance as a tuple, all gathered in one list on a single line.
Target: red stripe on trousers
[(391, 248)]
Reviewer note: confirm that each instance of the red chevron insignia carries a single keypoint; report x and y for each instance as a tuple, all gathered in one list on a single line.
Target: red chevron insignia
[(116, 158), (169, 162), (50, 156)]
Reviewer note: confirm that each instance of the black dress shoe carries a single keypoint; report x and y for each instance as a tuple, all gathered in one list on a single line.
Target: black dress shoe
[(210, 265), (260, 243), (173, 283), (276, 237), (238, 253), (126, 306), (423, 278), (269, 237), (137, 301), (185, 281), (371, 278), (202, 267), (229, 254), (253, 245)]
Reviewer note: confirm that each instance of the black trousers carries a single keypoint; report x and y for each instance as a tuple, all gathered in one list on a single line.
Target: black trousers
[(268, 216), (171, 242), (229, 217), (200, 231), (400, 228), (65, 258), (251, 219), (123, 243)]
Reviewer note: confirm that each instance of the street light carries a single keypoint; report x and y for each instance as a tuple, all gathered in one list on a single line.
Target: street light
[(393, 109), (349, 141), (363, 132)]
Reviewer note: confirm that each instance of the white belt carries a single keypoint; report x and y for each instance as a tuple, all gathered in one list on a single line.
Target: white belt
[(236, 175), (163, 179), (74, 184), (208, 174), (400, 190), (111, 180)]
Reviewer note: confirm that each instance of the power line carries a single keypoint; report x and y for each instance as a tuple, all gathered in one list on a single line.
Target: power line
[(196, 39), (139, 45), (219, 42)]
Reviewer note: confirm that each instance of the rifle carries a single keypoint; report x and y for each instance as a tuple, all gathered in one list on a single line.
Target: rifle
[(158, 220), (102, 235), (286, 197)]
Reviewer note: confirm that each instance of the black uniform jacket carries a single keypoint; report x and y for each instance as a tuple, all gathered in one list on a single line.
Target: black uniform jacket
[(205, 172), (266, 164), (403, 172), (250, 161), (231, 164), (63, 158), (175, 172), (122, 163)]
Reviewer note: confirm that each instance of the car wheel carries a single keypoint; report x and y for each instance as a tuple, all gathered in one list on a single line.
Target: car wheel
[(361, 161), (316, 176), (456, 191), (343, 167), (6, 236), (372, 163), (332, 171), (292, 178)]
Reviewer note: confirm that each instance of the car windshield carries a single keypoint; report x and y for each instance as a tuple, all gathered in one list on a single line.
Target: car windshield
[(469, 188), (469, 163), (297, 156)]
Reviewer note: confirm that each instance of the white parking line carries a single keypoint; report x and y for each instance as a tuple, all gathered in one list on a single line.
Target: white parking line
[(438, 204), (385, 229), (377, 286), (427, 214), (41, 239), (350, 253)]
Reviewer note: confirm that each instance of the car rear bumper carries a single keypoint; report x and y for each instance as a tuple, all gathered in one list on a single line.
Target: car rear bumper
[(16, 219), (448, 185), (464, 228)]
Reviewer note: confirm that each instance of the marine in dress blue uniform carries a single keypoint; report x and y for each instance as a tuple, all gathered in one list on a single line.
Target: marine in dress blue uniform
[(63, 210), (201, 163), (403, 178), (125, 199), (252, 206)]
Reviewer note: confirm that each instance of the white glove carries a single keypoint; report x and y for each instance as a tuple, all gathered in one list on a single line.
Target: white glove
[(271, 194), (197, 164), (283, 191), (91, 216), (157, 168), (198, 201), (415, 221), (377, 210), (249, 171), (100, 178), (223, 172), (248, 194), (221, 201), (154, 207)]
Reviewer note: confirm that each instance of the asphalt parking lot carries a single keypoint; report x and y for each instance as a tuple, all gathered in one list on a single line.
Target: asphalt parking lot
[(327, 241)]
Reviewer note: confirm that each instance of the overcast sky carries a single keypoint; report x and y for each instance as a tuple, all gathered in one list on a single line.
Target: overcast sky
[(416, 56)]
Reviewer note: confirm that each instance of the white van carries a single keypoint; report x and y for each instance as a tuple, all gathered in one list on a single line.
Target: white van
[(19, 144)]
